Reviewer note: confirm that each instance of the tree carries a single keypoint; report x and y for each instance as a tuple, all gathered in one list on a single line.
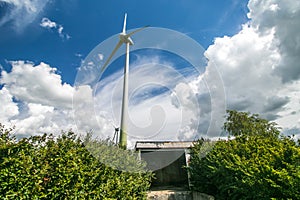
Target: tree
[(243, 123), (249, 166)]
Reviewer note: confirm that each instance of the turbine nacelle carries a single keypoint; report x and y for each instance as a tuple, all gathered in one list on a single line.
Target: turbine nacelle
[(125, 38)]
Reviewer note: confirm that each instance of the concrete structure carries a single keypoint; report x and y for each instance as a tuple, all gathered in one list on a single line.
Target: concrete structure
[(167, 160), (177, 195)]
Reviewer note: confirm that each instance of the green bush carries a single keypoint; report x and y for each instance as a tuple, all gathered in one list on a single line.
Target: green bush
[(42, 167), (248, 166)]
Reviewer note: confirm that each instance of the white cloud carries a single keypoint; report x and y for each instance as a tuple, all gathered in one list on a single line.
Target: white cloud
[(22, 12), (101, 56), (35, 100), (283, 18), (48, 24), (246, 63), (259, 65), (8, 107), (37, 84)]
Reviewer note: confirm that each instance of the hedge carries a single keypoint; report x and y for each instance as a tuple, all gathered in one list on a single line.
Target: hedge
[(67, 167)]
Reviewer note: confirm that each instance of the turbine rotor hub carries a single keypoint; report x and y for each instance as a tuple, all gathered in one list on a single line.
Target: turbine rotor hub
[(125, 38)]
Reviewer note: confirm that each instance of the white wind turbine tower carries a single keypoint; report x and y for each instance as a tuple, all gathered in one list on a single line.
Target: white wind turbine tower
[(124, 38)]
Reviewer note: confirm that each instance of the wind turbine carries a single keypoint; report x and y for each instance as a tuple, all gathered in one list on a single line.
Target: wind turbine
[(124, 38)]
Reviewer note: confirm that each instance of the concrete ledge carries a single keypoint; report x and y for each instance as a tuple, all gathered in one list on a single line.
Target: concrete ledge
[(202, 196), (177, 195), (169, 195)]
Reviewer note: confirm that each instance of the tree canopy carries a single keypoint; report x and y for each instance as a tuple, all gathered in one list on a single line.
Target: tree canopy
[(256, 163), (246, 124)]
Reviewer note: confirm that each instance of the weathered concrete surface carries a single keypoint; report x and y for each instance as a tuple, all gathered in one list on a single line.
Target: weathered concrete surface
[(202, 196), (169, 195), (177, 195), (163, 145)]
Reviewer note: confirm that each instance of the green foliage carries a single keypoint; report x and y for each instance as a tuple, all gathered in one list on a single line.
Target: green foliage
[(41, 167), (114, 156), (250, 166), (243, 123)]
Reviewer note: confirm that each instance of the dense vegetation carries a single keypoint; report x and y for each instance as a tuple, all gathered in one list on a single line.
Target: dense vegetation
[(44, 167), (254, 163)]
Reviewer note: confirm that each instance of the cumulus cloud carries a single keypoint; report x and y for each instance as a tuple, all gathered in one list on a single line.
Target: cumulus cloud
[(283, 18), (246, 62), (21, 12), (37, 84), (8, 107), (260, 64), (34, 99), (48, 24)]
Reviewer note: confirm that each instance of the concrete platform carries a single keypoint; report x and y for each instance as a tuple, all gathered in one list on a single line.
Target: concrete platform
[(176, 193)]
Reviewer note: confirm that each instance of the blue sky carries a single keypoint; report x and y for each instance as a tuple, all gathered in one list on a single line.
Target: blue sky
[(90, 22), (251, 49)]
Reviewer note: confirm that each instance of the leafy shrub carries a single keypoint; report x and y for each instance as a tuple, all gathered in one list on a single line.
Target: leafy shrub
[(250, 166), (41, 167)]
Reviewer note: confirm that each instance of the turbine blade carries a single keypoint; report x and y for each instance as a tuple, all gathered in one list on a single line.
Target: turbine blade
[(124, 25), (111, 55), (137, 30)]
